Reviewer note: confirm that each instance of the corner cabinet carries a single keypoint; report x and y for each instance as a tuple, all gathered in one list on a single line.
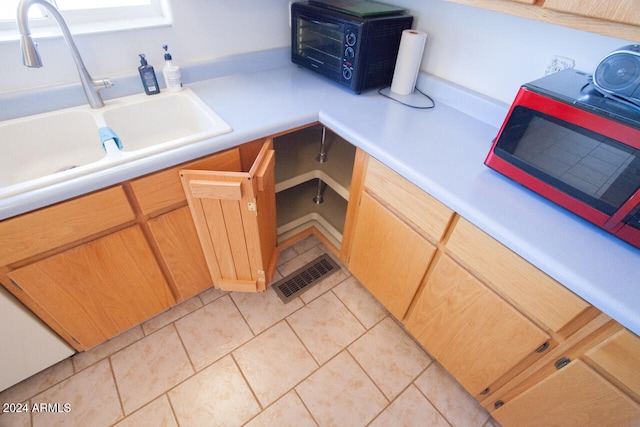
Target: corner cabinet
[(314, 171), (235, 218)]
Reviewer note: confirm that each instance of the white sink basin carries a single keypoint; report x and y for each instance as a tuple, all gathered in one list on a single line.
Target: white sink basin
[(44, 149), (33, 147), (162, 120)]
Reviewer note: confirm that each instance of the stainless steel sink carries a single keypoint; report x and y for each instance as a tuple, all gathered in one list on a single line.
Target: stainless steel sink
[(44, 149)]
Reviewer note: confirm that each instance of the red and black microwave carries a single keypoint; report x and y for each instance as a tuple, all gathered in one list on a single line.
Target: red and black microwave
[(569, 143)]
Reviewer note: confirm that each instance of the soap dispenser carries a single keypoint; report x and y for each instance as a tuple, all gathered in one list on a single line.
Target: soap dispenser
[(148, 77), (171, 72)]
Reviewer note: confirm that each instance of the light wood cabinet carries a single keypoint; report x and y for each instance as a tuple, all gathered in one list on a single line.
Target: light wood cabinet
[(620, 18), (235, 218), (471, 331), (553, 306), (388, 256), (33, 233), (618, 357), (395, 230), (98, 289), (162, 209), (575, 395), (624, 11), (178, 246)]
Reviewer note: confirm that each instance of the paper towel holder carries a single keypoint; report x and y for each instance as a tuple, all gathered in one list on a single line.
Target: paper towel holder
[(403, 87)]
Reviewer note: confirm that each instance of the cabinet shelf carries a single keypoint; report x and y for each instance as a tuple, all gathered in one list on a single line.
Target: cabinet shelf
[(296, 160), (296, 212)]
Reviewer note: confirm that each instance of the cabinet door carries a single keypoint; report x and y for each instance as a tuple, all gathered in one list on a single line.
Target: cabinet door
[(388, 256), (99, 289), (234, 215), (574, 396), (624, 11), (471, 331), (177, 240)]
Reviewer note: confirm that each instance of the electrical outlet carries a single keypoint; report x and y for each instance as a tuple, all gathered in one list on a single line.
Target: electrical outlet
[(559, 63)]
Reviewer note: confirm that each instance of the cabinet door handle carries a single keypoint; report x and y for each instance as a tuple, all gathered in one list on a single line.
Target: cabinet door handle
[(543, 347), (14, 283), (562, 362)]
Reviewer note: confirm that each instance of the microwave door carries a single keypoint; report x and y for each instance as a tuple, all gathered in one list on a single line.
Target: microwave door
[(600, 172)]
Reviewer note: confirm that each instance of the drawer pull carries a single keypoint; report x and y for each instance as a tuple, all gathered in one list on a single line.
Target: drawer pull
[(543, 347), (562, 362)]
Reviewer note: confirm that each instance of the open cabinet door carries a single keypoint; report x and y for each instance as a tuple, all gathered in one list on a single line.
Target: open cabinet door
[(235, 216)]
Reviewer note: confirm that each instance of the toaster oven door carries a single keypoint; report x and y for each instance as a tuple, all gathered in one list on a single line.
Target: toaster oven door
[(318, 44)]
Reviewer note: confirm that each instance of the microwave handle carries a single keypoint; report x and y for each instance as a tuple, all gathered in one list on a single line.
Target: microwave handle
[(624, 210)]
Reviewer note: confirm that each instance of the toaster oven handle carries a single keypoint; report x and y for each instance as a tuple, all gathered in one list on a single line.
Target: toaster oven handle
[(624, 210)]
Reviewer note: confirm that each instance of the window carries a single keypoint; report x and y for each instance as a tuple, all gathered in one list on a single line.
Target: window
[(86, 16)]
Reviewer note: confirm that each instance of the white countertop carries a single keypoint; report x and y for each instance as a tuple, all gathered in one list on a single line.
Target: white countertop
[(440, 150)]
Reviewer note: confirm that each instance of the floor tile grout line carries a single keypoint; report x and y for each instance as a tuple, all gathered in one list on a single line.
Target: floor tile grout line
[(115, 382), (246, 381)]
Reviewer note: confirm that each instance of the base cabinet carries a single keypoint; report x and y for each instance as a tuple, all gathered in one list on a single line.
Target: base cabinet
[(99, 289), (471, 331), (573, 396), (388, 256), (177, 241)]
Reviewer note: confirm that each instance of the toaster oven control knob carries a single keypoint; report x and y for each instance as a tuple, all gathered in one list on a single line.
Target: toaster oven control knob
[(351, 39), (349, 52), (347, 72)]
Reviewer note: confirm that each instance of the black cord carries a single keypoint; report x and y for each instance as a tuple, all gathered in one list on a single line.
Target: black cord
[(433, 103)]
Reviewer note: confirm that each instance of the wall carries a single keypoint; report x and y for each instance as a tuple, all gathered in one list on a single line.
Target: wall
[(485, 51)]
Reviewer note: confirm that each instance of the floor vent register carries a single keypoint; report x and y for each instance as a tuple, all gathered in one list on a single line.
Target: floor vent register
[(304, 278)]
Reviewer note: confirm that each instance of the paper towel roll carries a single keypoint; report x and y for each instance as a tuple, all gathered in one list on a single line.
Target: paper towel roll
[(408, 62)]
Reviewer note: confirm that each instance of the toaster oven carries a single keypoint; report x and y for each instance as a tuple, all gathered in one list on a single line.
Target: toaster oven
[(354, 43)]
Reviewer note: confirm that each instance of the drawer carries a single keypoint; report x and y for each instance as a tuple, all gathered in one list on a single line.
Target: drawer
[(163, 189), (531, 290), (409, 200), (48, 228), (619, 356)]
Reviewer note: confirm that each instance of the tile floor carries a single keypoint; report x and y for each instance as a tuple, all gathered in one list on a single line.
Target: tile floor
[(332, 357)]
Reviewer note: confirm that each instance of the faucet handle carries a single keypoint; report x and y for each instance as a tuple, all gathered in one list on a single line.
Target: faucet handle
[(103, 83)]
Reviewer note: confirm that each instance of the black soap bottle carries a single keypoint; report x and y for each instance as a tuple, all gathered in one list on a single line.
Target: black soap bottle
[(148, 77)]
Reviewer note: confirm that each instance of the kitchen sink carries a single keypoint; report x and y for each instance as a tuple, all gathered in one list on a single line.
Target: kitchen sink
[(44, 149), (162, 121), (33, 147)]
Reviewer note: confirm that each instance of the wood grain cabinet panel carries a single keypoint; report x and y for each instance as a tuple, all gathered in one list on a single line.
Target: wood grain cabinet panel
[(619, 357), (471, 331), (522, 284), (424, 211), (624, 11), (57, 225), (162, 190), (99, 289), (387, 256), (574, 396), (177, 240), (235, 218)]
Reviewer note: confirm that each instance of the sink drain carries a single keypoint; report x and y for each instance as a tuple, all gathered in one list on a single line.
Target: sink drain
[(66, 168)]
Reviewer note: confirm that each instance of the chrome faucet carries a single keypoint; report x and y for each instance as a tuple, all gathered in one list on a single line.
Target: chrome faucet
[(31, 57)]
